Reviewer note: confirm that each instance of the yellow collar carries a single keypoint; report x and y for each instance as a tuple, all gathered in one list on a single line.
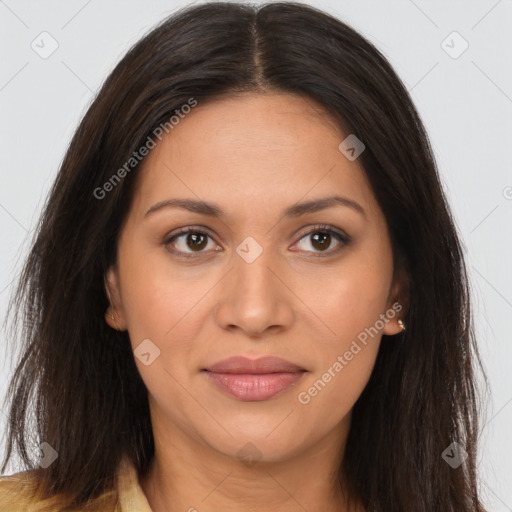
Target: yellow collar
[(130, 494)]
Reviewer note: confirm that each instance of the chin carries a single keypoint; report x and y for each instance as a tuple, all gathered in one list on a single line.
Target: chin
[(256, 444)]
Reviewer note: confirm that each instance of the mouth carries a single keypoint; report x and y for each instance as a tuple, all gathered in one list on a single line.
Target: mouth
[(254, 380)]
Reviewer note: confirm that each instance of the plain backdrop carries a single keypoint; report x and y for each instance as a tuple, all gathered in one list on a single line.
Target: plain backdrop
[(464, 96)]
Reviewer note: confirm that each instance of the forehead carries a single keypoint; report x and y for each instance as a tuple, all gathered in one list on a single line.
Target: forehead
[(252, 151)]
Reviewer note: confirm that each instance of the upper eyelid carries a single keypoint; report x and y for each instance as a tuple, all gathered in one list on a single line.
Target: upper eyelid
[(324, 227), (187, 230)]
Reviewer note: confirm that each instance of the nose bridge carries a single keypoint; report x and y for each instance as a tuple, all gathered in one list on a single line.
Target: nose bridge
[(254, 298), (252, 271)]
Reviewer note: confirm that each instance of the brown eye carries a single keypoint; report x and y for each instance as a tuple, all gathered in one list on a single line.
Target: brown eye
[(189, 241), (321, 239), (196, 241)]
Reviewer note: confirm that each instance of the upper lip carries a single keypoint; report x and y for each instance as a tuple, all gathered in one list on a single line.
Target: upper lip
[(267, 364)]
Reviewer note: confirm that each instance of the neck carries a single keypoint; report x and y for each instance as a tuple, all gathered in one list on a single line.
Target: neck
[(187, 475)]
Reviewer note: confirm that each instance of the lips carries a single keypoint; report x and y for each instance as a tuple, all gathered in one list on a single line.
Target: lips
[(267, 364), (254, 380)]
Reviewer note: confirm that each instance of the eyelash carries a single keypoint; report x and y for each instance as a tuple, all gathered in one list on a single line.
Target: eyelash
[(320, 228)]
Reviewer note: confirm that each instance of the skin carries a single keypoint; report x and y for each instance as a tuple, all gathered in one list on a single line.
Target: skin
[(253, 155)]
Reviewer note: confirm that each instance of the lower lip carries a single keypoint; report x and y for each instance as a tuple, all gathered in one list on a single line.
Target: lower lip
[(254, 387)]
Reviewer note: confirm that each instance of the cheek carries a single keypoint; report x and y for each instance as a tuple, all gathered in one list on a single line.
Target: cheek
[(158, 296), (162, 305), (350, 297), (343, 359), (345, 355), (330, 394)]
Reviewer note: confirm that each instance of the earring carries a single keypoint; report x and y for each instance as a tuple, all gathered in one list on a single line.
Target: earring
[(112, 316), (401, 324)]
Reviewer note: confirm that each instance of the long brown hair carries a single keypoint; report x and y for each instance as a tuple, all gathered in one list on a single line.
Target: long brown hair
[(91, 404)]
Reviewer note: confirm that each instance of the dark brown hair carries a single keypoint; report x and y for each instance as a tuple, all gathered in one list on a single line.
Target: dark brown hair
[(91, 404)]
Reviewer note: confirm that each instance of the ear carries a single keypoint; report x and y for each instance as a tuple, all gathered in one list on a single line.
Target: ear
[(396, 306), (114, 315)]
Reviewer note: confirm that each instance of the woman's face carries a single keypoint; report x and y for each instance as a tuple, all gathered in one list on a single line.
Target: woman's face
[(253, 280)]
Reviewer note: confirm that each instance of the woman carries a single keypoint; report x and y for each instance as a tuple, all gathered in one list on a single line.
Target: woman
[(247, 291)]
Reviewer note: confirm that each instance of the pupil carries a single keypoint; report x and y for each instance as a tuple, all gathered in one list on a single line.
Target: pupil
[(324, 236), (196, 244)]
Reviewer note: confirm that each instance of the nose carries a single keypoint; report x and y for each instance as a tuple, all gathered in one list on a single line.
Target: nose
[(254, 298)]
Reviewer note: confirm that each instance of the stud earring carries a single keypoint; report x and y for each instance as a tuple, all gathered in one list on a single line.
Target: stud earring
[(401, 324)]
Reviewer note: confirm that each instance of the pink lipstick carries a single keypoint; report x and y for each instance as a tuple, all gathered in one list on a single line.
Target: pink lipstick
[(254, 379)]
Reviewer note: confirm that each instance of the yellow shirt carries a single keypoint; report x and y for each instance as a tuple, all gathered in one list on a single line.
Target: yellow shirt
[(128, 496)]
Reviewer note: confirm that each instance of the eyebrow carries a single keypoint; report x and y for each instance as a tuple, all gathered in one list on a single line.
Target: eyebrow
[(296, 210)]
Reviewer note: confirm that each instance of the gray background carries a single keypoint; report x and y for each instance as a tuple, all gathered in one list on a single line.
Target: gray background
[(465, 103)]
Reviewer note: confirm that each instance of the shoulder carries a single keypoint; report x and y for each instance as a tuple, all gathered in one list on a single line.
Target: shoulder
[(19, 493)]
